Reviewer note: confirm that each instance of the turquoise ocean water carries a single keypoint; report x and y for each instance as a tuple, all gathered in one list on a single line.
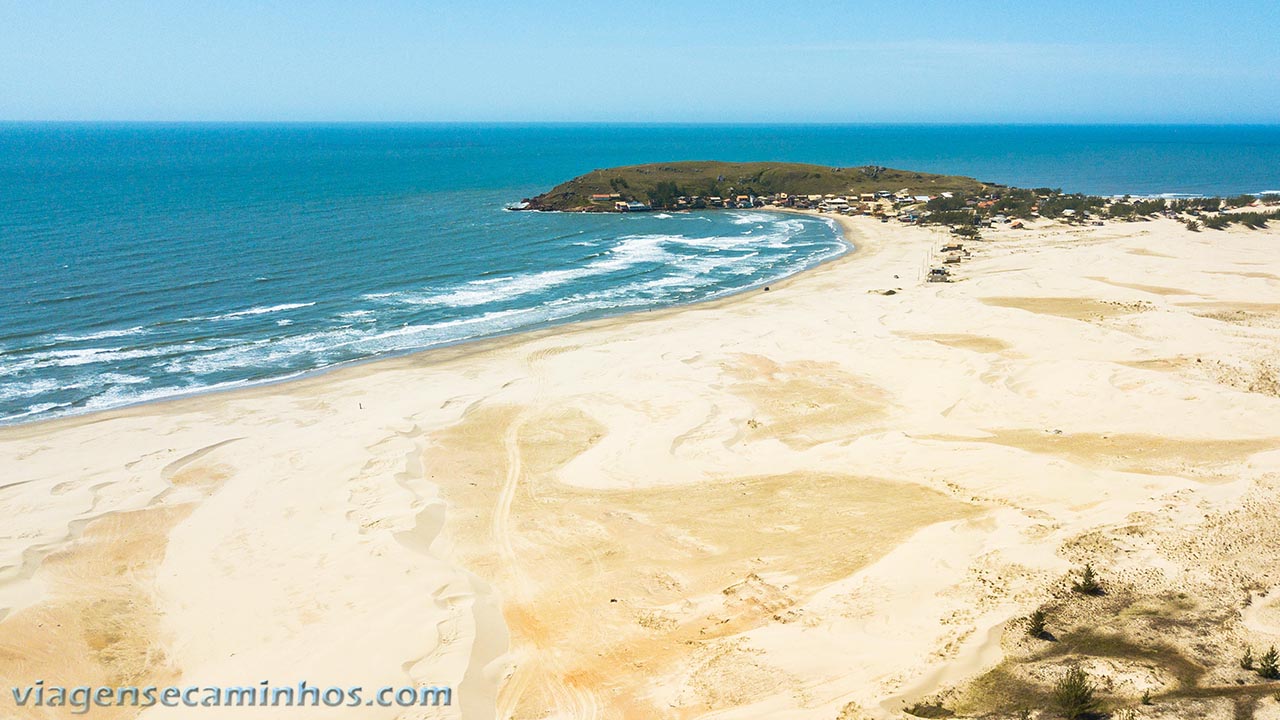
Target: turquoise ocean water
[(145, 261)]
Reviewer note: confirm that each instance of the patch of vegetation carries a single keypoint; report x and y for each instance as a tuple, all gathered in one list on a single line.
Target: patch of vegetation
[(1016, 203), (946, 204), (1005, 687), (1147, 208), (961, 203), (1255, 220), (663, 194), (1217, 222), (1055, 206), (661, 183), (1075, 695), (1196, 205), (1088, 583), (954, 218), (1125, 629), (1036, 624), (1269, 665), (1091, 643), (1122, 210), (1251, 220), (929, 710)]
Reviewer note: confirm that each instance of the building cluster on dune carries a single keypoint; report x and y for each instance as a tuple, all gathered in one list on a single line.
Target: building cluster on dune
[(967, 214), (1008, 206)]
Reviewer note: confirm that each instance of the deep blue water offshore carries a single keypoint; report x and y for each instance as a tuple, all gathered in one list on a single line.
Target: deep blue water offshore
[(145, 261)]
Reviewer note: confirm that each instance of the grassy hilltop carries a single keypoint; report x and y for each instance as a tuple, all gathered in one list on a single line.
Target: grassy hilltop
[(660, 183)]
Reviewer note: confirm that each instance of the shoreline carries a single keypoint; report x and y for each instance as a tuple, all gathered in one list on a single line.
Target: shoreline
[(799, 504), (460, 348)]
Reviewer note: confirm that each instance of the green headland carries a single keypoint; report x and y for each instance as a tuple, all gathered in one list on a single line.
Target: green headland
[(662, 185), (962, 203)]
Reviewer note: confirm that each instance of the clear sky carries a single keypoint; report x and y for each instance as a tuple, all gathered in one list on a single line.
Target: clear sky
[(654, 61)]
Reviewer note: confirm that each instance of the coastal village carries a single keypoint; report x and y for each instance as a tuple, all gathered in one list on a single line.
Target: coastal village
[(877, 203), (910, 207), (967, 214)]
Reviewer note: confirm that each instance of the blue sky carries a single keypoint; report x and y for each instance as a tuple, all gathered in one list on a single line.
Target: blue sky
[(656, 61)]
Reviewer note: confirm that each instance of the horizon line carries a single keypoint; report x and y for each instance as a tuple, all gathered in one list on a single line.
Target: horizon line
[(662, 123)]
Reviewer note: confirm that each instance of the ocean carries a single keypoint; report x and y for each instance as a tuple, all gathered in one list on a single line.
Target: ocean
[(144, 261)]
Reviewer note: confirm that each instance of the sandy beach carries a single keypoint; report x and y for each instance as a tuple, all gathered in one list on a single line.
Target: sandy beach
[(834, 499)]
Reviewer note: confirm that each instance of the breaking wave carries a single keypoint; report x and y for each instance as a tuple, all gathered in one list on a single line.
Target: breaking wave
[(564, 277)]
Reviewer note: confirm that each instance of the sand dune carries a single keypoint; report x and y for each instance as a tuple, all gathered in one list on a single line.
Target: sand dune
[(821, 501)]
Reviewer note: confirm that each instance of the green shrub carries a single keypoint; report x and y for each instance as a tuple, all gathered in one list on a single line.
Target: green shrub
[(929, 710), (1122, 210), (1036, 623), (1269, 664), (1088, 584), (1252, 220), (1149, 207), (1075, 694), (1217, 222)]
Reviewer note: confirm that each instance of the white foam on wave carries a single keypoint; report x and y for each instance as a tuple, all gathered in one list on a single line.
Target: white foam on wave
[(261, 310), (325, 347), (99, 335), (258, 353), (631, 250), (122, 379), (635, 250), (88, 356), (359, 316), (36, 409), (488, 317), (25, 389), (750, 218), (779, 236), (718, 242), (482, 292)]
